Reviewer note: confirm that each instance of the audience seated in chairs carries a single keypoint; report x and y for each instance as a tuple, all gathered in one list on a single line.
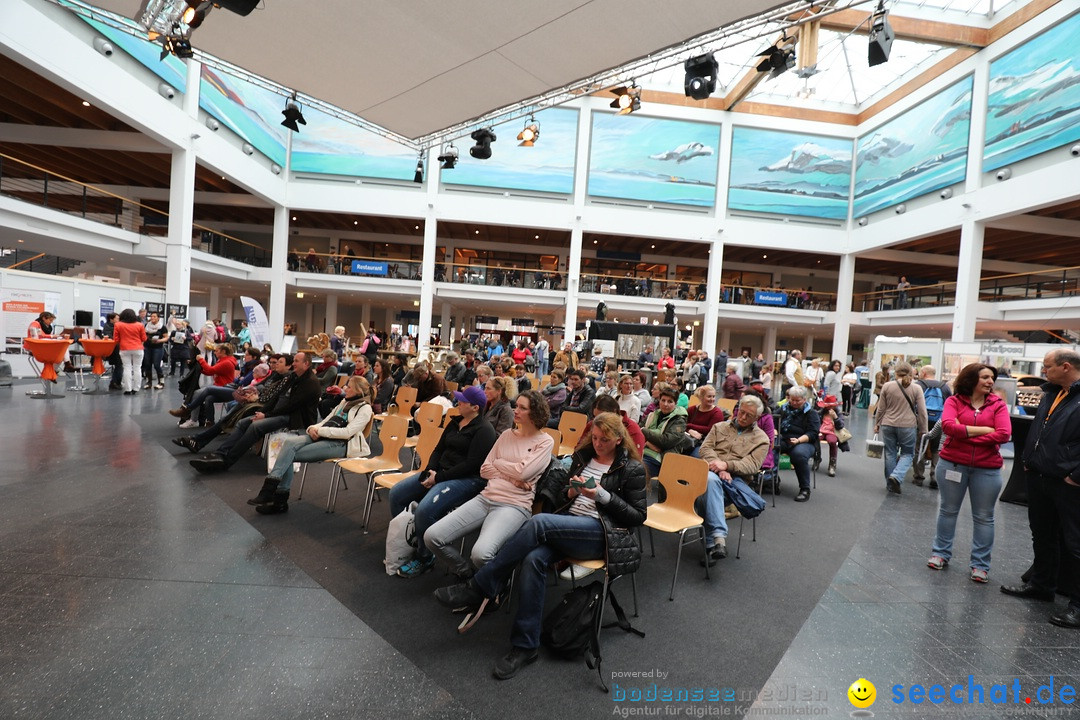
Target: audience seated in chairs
[(382, 384), (831, 421), (579, 396), (427, 383), (701, 417), (799, 428), (500, 393), (452, 475), (555, 394), (665, 430), (735, 448), (340, 434), (765, 422), (629, 402), (224, 374), (327, 370), (512, 467), (294, 408), (603, 495), (608, 404)]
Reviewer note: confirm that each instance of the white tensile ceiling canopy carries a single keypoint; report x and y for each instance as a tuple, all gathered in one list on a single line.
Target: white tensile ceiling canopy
[(419, 66)]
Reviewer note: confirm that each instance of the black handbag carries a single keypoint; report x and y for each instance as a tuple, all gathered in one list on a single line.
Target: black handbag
[(621, 552)]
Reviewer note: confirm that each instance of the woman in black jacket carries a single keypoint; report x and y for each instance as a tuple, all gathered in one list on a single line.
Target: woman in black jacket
[(451, 477), (604, 493)]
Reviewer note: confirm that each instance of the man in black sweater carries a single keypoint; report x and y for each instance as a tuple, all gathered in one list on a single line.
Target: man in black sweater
[(452, 474), (579, 396), (294, 408)]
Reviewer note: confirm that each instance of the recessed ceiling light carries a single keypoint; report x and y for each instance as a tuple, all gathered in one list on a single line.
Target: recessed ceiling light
[(294, 218), (417, 227), (653, 247), (416, 303), (355, 222), (764, 256), (537, 237), (477, 232), (21, 240), (85, 103), (595, 241)]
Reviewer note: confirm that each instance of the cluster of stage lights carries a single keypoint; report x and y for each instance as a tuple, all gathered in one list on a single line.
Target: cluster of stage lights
[(183, 17)]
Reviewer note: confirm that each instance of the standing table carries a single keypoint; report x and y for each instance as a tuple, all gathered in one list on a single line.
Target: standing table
[(98, 349), (46, 352)]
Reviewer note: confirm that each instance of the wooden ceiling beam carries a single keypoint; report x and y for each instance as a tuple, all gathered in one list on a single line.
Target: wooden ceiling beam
[(911, 28)]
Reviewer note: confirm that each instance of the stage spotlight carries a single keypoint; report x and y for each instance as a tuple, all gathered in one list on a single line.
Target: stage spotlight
[(628, 100), (482, 149), (292, 115), (181, 47), (449, 158), (881, 36), (240, 7), (700, 80), (529, 134), (669, 314), (601, 311), (419, 176), (778, 58), (195, 13)]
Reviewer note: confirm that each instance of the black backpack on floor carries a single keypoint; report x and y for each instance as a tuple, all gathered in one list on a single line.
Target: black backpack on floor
[(571, 629)]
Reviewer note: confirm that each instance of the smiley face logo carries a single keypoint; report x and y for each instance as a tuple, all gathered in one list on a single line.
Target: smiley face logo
[(862, 693)]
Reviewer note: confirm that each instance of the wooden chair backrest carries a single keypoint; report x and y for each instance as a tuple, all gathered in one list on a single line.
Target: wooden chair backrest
[(405, 399), (694, 401), (428, 414), (571, 425), (684, 478), (727, 405), (556, 436), (449, 414), (425, 445), (392, 434), (451, 386)]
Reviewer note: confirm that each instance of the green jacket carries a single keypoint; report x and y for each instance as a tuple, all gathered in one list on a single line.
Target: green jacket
[(667, 433)]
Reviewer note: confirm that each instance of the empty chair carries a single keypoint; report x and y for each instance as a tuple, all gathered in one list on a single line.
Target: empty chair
[(404, 400), (392, 436), (571, 426), (428, 415), (684, 478)]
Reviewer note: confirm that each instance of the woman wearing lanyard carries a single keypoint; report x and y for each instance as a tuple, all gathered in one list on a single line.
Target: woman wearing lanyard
[(976, 423)]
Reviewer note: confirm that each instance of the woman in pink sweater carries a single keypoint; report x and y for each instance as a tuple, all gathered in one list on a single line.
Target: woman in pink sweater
[(975, 422), (516, 461)]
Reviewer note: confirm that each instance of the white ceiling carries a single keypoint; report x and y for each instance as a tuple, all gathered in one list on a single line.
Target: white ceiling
[(420, 66)]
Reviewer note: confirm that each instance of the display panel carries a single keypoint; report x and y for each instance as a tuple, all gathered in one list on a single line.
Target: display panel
[(789, 173), (1034, 97), (920, 151), (251, 111), (654, 160)]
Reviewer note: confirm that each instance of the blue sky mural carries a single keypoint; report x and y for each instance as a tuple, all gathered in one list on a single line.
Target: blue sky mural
[(1034, 102), (789, 173), (920, 151), (172, 69), (251, 111), (653, 159), (332, 146), (547, 166)]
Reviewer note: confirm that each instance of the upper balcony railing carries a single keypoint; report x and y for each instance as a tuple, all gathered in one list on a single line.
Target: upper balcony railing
[(35, 185), (1035, 285)]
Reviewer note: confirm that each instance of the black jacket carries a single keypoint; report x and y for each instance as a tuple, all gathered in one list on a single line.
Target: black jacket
[(580, 402), (298, 399), (455, 373), (1053, 446), (796, 424), (461, 451)]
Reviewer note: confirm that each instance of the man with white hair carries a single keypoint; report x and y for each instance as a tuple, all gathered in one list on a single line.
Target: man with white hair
[(800, 425), (735, 448)]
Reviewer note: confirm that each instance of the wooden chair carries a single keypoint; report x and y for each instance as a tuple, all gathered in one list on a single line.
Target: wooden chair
[(392, 436), (403, 404), (342, 380), (429, 438), (333, 475), (556, 436), (449, 414), (694, 401), (535, 383), (684, 478), (599, 564), (428, 414), (451, 386), (571, 426), (726, 405)]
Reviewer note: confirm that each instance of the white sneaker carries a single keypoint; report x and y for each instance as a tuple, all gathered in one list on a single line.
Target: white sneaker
[(187, 424), (575, 572)]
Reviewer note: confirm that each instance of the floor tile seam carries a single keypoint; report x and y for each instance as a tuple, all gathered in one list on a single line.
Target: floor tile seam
[(314, 586)]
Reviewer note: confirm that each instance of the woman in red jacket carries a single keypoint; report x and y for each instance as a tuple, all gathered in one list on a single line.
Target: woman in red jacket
[(130, 336), (224, 372), (975, 422)]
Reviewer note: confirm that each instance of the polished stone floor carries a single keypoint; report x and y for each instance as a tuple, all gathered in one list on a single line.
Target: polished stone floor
[(132, 588)]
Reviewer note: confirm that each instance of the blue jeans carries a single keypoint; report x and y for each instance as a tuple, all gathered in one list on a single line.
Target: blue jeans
[(898, 440), (206, 397), (651, 465), (800, 460), (432, 504), (983, 485), (246, 433), (543, 540), (715, 501), (301, 448)]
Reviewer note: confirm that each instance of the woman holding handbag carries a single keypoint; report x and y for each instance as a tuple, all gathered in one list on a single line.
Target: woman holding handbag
[(975, 422), (901, 420), (601, 498)]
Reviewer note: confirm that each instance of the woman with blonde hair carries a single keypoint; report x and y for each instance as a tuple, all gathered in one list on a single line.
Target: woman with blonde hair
[(602, 497), (340, 434), (500, 391)]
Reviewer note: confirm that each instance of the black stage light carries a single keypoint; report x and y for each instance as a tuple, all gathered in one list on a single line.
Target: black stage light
[(778, 59), (240, 7), (181, 47), (881, 37), (700, 80), (449, 158), (292, 115), (628, 100), (601, 311), (669, 314), (482, 149), (419, 176)]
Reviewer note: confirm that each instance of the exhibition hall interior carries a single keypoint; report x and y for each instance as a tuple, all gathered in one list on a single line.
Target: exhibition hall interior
[(876, 182)]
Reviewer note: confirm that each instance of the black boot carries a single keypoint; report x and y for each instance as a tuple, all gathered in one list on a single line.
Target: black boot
[(267, 493), (279, 504)]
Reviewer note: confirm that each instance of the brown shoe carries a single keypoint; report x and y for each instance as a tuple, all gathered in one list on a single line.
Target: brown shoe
[(181, 412)]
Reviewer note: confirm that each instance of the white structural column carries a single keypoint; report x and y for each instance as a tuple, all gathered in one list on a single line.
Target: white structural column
[(213, 312), (182, 203), (725, 343), (808, 347), (845, 291), (427, 268), (331, 315), (769, 349), (309, 322), (712, 297), (365, 316), (445, 325), (573, 281), (278, 279), (968, 274)]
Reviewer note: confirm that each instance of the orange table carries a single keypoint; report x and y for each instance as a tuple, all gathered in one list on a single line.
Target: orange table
[(97, 349), (47, 352)]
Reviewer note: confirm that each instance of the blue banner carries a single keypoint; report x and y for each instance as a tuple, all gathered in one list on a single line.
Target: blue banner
[(762, 297), (368, 267)]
